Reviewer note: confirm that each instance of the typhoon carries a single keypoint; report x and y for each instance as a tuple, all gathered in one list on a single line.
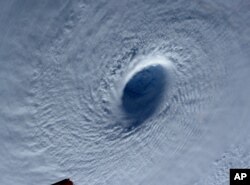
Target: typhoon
[(124, 92)]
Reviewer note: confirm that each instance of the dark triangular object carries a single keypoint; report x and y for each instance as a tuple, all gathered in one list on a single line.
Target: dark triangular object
[(64, 182)]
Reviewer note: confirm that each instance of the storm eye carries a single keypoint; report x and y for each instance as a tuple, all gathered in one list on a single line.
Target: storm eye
[(143, 92)]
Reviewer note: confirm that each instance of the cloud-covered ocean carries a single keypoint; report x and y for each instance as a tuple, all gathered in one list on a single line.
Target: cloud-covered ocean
[(128, 92)]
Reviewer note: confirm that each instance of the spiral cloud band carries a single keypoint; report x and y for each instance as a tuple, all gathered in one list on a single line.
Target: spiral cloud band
[(124, 92)]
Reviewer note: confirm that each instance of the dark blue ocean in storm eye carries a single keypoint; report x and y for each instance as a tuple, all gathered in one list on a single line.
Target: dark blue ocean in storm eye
[(143, 92)]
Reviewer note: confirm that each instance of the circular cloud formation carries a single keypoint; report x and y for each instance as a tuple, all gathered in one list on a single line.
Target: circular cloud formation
[(143, 92), (78, 74)]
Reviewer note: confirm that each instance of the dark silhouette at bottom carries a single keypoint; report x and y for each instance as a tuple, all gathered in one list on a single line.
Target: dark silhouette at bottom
[(64, 182)]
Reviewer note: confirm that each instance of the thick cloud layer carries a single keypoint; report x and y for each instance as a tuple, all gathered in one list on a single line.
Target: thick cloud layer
[(67, 72)]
